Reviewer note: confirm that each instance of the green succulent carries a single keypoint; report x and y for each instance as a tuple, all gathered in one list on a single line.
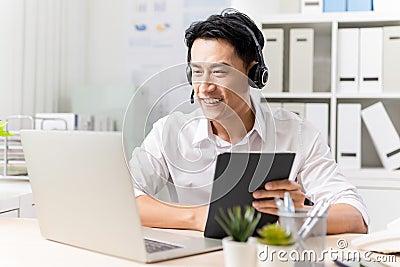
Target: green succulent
[(2, 131), (238, 224), (274, 235)]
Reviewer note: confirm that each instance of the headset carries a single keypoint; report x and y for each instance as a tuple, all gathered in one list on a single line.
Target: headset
[(258, 74)]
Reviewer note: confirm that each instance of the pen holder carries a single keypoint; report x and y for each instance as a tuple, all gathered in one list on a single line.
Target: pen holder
[(310, 245)]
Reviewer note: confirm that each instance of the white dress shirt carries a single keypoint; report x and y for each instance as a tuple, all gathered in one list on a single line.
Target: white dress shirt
[(176, 161)]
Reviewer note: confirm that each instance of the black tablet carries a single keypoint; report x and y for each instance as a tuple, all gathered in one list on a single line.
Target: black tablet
[(236, 176)]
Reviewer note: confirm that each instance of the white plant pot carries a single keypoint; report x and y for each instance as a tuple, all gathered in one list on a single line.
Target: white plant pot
[(239, 254), (274, 256)]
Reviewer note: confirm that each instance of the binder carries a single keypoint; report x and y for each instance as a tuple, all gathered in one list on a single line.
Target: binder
[(334, 5), (349, 136), (103, 123), (298, 108), (371, 46), (311, 6), (348, 58), (391, 59), (383, 134), (318, 115), (85, 122), (273, 56), (359, 5), (301, 60)]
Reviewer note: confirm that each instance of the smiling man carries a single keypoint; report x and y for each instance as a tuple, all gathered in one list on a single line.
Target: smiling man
[(179, 154)]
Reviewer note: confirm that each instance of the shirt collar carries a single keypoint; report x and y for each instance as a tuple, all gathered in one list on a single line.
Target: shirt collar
[(204, 130), (260, 122)]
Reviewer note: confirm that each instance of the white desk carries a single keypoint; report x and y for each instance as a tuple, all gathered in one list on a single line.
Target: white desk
[(22, 245), (15, 198)]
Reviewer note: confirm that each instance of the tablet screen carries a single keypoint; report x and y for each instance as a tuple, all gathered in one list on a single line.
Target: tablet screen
[(236, 176)]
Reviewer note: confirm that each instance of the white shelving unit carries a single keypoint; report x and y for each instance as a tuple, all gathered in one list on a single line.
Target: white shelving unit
[(12, 158), (16, 199), (326, 27), (378, 186)]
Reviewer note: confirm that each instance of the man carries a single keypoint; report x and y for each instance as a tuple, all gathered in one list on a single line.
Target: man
[(179, 153)]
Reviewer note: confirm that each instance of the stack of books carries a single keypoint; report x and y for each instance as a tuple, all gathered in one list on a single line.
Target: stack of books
[(12, 160)]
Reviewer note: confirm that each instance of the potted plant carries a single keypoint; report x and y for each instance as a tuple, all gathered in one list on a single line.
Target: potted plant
[(239, 224), (275, 245), (4, 133)]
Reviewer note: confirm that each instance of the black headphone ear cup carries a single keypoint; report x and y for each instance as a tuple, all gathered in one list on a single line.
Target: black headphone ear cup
[(263, 76), (258, 76), (189, 74)]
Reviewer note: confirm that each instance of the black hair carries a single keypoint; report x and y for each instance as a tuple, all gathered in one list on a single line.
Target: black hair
[(232, 26)]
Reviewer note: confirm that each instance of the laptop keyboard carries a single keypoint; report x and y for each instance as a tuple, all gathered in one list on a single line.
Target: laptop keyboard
[(156, 246)]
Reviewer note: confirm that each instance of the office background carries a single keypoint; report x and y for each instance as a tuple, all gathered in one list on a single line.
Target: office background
[(82, 56)]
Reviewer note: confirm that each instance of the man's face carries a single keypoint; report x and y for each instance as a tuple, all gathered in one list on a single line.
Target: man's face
[(219, 78)]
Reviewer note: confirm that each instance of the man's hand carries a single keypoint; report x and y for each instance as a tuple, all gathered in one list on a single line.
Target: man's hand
[(265, 201)]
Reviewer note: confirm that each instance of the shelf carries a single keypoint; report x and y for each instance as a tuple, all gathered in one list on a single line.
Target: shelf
[(341, 17), (10, 187), (374, 178), (297, 96), (15, 177), (372, 173), (368, 96)]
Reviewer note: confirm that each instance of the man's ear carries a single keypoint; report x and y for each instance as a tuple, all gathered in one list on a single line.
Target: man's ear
[(249, 66)]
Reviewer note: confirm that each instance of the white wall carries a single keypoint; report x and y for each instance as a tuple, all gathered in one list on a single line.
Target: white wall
[(106, 90), (258, 9), (11, 56), (42, 54), (75, 49), (107, 42)]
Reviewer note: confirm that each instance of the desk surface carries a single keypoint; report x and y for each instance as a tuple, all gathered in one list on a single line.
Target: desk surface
[(10, 188), (22, 245)]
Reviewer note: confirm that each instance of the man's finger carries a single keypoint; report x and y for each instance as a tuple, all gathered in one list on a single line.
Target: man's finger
[(282, 185)]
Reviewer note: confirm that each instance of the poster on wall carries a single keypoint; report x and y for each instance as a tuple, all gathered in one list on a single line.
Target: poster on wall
[(156, 33)]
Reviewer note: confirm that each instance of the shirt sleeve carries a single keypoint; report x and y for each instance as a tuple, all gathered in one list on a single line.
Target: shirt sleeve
[(319, 174), (147, 164)]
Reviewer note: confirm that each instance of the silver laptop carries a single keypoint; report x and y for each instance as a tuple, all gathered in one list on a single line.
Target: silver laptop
[(84, 197)]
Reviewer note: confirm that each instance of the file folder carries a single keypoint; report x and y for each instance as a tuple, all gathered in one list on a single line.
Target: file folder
[(359, 5), (103, 123), (85, 122), (371, 46), (301, 60), (311, 6), (348, 59), (318, 115), (349, 136), (383, 134), (273, 56), (297, 108), (391, 59), (334, 5)]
